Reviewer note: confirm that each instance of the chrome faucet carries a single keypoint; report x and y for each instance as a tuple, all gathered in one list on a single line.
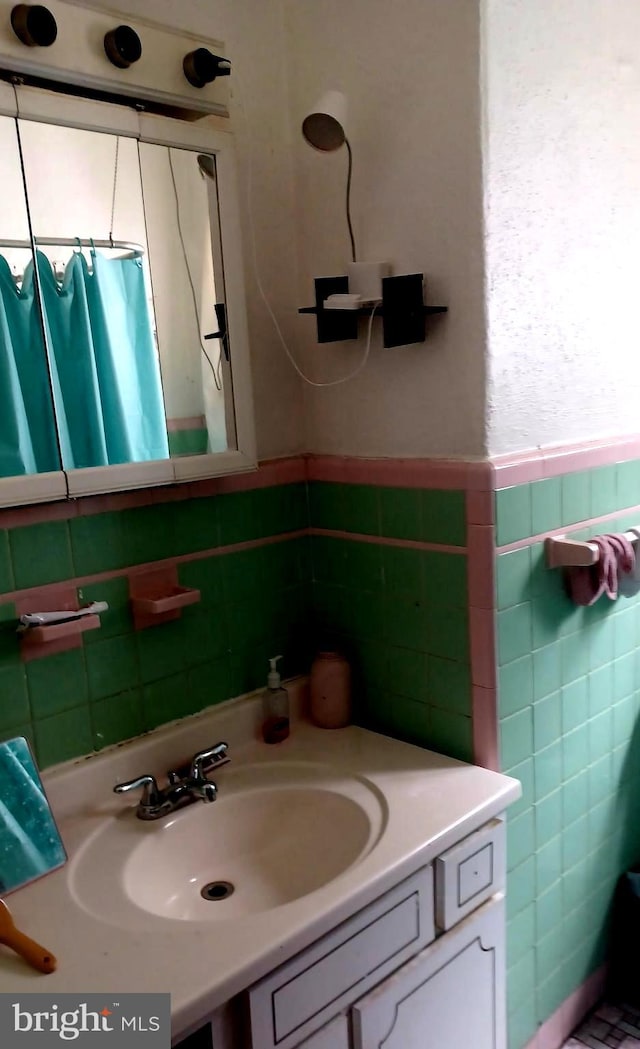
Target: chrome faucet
[(185, 785)]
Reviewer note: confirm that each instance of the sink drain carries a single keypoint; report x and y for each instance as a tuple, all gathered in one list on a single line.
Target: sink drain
[(217, 890)]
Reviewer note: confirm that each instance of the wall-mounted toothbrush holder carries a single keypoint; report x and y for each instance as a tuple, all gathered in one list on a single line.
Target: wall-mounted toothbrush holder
[(52, 621), (157, 597), (36, 637)]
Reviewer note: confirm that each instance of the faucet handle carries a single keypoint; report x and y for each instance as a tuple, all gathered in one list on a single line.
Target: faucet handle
[(214, 756), (204, 789), (150, 792)]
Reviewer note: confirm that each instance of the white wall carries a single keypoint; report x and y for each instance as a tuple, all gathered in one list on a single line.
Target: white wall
[(562, 83), (556, 116), (254, 37), (411, 72)]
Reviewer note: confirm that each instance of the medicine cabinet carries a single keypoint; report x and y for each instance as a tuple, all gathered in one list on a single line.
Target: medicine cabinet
[(124, 355)]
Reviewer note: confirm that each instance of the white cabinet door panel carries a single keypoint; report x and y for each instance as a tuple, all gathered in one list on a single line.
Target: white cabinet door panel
[(451, 995), (300, 996), (334, 1036)]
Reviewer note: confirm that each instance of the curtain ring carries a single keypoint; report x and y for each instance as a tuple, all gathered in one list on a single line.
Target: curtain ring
[(93, 247), (78, 244)]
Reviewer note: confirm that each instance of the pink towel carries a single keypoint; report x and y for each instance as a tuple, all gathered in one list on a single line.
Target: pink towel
[(586, 583)]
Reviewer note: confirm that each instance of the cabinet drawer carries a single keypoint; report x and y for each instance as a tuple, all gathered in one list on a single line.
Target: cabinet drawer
[(469, 873), (296, 999)]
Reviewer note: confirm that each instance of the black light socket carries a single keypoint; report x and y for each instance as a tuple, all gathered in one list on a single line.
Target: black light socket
[(122, 46), (34, 25), (201, 67)]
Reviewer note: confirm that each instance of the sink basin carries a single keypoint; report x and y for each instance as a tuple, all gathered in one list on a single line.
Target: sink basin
[(276, 832)]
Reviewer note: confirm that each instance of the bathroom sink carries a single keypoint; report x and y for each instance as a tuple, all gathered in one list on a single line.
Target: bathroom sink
[(276, 832)]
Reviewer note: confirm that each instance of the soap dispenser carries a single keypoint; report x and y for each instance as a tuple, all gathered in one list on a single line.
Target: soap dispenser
[(275, 724)]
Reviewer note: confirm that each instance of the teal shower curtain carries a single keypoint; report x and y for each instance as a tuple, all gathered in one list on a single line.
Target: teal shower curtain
[(27, 427), (107, 384), (105, 374)]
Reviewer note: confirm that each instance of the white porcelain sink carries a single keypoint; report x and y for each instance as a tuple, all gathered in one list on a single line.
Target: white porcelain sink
[(276, 832)]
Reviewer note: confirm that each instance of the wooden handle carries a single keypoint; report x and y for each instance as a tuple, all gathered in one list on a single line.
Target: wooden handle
[(32, 952)]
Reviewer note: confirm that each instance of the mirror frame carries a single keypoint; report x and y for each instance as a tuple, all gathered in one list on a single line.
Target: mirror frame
[(205, 136)]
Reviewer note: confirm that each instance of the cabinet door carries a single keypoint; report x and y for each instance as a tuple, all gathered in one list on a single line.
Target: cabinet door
[(334, 1035), (321, 981), (452, 994)]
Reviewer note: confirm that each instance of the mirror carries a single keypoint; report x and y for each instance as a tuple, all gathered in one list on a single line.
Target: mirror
[(134, 334), (30, 843), (183, 233), (28, 439), (129, 270)]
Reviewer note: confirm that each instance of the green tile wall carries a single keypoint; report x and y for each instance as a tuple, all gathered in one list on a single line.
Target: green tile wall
[(400, 613), (123, 682), (569, 699), (188, 442), (431, 515)]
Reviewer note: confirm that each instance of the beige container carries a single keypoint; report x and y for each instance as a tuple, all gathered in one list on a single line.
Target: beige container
[(330, 691)]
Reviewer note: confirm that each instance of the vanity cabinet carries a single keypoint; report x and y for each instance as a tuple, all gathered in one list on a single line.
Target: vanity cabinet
[(297, 998), (395, 974), (451, 995), (419, 1006)]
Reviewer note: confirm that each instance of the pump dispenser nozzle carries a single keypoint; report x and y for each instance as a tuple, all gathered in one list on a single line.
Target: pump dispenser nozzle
[(273, 678)]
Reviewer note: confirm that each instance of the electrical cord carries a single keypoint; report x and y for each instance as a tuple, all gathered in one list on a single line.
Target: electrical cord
[(349, 173), (256, 271), (216, 377)]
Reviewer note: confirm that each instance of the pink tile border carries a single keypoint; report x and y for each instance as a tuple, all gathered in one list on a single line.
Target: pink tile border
[(536, 464), (484, 713), (479, 478), (401, 473), (382, 540), (17, 517), (191, 422), (555, 1031), (500, 471), (480, 507), (482, 643), (480, 566), (288, 470), (518, 473)]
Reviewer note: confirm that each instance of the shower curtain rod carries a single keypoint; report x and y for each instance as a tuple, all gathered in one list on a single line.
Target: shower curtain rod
[(74, 242)]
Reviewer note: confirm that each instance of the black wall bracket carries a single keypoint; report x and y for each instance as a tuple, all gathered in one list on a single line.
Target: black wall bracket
[(403, 311)]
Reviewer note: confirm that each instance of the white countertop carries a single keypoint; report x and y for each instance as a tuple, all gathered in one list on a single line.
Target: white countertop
[(431, 803)]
